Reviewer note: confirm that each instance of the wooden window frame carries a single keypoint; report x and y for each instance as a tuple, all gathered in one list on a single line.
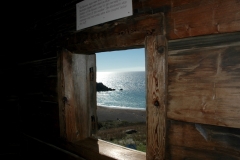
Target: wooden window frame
[(78, 106)]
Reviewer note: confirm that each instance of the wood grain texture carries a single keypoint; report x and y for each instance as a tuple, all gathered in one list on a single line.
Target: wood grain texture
[(66, 99), (93, 149), (198, 141), (201, 17), (123, 33), (156, 66), (188, 18), (92, 93), (80, 91), (75, 105), (204, 85), (204, 41), (183, 18)]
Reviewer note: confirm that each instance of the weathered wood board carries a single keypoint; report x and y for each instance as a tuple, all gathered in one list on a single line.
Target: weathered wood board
[(156, 86), (190, 18), (123, 33), (75, 105), (198, 141), (204, 85), (92, 149), (193, 17)]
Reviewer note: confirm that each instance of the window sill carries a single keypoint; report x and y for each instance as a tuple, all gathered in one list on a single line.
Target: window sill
[(92, 148)]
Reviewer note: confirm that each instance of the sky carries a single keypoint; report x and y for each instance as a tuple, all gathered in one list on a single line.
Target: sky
[(121, 61)]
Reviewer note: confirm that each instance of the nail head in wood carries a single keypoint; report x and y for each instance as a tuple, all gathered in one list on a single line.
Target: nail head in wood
[(156, 103), (161, 49), (64, 99)]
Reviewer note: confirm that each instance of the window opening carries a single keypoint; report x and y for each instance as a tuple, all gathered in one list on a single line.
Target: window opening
[(121, 98)]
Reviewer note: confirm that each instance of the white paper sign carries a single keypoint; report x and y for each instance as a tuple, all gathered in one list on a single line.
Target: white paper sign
[(93, 12)]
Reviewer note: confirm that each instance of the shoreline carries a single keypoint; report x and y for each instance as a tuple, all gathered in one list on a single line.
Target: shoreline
[(121, 114), (127, 108)]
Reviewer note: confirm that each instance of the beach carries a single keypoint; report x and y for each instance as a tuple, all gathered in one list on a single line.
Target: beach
[(122, 114), (122, 126)]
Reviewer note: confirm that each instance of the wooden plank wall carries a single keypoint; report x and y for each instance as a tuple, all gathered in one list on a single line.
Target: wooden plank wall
[(203, 98), (31, 107), (9, 115), (187, 18), (204, 86), (204, 83), (37, 94), (200, 141)]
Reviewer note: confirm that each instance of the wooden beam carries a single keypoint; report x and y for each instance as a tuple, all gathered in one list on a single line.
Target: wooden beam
[(156, 66), (74, 88), (92, 149), (123, 33)]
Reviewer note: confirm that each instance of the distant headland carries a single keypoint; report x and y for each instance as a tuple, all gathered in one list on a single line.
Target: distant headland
[(101, 87)]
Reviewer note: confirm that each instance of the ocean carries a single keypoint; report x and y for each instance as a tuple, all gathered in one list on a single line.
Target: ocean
[(132, 95)]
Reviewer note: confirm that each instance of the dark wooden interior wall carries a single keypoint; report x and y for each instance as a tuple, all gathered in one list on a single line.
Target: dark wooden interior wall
[(29, 79), (38, 97), (30, 96)]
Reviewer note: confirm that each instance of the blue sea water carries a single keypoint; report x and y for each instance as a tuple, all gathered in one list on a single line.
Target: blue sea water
[(132, 95)]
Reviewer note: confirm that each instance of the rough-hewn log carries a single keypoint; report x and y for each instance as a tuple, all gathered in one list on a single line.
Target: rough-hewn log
[(123, 33), (156, 76)]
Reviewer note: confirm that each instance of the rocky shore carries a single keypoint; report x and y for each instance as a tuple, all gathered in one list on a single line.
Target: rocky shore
[(101, 87)]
